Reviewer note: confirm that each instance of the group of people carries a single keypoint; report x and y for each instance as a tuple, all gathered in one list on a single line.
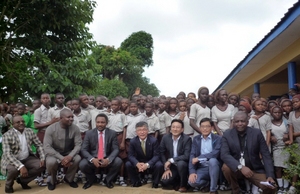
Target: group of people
[(207, 143)]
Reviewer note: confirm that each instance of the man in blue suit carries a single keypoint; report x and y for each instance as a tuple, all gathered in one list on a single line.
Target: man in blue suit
[(204, 162), (143, 155)]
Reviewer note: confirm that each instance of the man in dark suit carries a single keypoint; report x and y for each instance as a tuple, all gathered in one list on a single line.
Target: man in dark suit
[(241, 150), (175, 149), (204, 162), (143, 154), (100, 150)]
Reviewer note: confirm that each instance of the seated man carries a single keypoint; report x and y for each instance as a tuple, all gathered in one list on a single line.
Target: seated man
[(175, 149), (143, 154), (62, 143), (204, 164), (100, 149), (18, 158), (241, 151)]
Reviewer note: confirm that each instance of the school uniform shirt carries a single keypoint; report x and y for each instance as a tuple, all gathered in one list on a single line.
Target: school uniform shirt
[(223, 118), (153, 123), (197, 113), (93, 113), (82, 120), (54, 112), (116, 121), (264, 123), (131, 121), (41, 115), (164, 122), (188, 130)]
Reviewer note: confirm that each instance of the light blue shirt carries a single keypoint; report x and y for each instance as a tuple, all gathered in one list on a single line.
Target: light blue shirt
[(206, 147)]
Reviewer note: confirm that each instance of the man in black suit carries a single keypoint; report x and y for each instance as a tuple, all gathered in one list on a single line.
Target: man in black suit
[(143, 154), (175, 149), (100, 150), (240, 152)]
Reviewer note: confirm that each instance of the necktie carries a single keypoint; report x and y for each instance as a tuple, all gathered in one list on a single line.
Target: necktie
[(143, 146), (100, 146)]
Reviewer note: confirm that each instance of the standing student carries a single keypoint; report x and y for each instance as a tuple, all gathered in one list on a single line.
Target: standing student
[(69, 104), (199, 110), (124, 106), (116, 122), (54, 112), (172, 110), (141, 103), (152, 120), (99, 102), (85, 103), (164, 118), (81, 118), (280, 157), (286, 105), (41, 117), (185, 107), (233, 99), (92, 100), (21, 112)]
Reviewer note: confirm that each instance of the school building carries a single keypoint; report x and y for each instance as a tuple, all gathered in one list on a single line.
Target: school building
[(273, 65)]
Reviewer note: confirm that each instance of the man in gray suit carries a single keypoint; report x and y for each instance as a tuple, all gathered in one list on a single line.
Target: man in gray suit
[(100, 149), (175, 151)]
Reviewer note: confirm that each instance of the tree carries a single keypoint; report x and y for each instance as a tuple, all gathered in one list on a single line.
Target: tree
[(44, 47)]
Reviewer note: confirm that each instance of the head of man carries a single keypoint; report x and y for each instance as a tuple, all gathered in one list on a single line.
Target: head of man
[(206, 126), (18, 123), (66, 117), (101, 121), (177, 128), (142, 130), (240, 121)]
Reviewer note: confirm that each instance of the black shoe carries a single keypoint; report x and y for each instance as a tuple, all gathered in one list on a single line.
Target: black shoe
[(155, 185), (137, 184), (87, 185), (72, 183), (108, 184), (50, 186), (9, 190), (24, 186)]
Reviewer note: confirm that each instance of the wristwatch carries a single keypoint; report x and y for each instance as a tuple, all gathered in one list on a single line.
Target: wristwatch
[(239, 167)]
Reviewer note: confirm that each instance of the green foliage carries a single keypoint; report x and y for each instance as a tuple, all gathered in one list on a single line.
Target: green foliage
[(112, 88), (294, 163)]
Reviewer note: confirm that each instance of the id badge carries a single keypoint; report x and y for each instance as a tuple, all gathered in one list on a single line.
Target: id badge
[(242, 160)]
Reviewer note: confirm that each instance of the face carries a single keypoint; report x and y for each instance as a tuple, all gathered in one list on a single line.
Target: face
[(75, 105), (240, 122), (99, 103), (59, 99), (190, 95), (296, 103), (162, 105), (203, 95), (205, 128), (180, 97), (176, 129), (124, 103), (91, 100), (69, 104), (133, 108), (258, 106), (19, 123), (277, 113), (189, 103), (243, 109), (287, 106), (45, 99), (182, 106), (101, 123), (142, 132), (255, 96), (223, 96), (21, 110), (84, 101), (173, 104), (233, 100), (67, 119), (115, 105), (15, 111), (271, 105), (210, 102), (36, 104), (143, 100), (148, 109)]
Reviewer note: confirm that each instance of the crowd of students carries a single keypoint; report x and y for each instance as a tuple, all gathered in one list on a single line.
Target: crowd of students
[(278, 120)]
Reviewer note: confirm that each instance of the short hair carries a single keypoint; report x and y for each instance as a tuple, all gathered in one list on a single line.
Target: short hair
[(59, 94), (64, 111), (102, 115), (22, 104), (178, 121), (207, 119), (142, 124)]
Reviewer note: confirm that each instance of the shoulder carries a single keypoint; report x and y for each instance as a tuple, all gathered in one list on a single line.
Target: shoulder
[(110, 131), (133, 140), (10, 133), (228, 132), (216, 137)]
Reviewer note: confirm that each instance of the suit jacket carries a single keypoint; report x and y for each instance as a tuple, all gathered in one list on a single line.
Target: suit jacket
[(255, 145), (136, 154), (196, 150), (183, 148), (89, 148), (11, 147)]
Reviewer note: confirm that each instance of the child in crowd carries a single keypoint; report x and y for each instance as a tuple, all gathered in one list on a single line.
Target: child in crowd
[(125, 106), (85, 103), (233, 99), (54, 112), (141, 103), (164, 118), (172, 110), (22, 112), (69, 104), (286, 105), (185, 107), (152, 120), (99, 102)]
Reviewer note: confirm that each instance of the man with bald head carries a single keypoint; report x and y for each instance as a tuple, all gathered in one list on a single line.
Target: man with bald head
[(62, 144), (241, 151), (18, 158)]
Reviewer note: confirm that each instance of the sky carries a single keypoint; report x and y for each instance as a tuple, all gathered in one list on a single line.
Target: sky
[(196, 42)]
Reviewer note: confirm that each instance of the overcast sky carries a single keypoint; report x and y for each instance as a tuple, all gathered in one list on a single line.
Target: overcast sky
[(196, 42)]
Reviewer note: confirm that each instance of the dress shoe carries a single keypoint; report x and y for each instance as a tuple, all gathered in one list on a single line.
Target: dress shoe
[(50, 186), (155, 185), (108, 184), (24, 186), (9, 190), (182, 189), (87, 185), (72, 183), (137, 184)]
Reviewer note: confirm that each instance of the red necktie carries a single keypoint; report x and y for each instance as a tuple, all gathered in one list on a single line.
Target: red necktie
[(100, 146)]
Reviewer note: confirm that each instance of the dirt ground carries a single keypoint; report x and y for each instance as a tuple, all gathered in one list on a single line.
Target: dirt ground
[(96, 188)]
